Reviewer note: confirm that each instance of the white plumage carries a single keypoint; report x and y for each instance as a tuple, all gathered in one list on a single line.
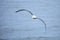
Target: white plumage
[(34, 17)]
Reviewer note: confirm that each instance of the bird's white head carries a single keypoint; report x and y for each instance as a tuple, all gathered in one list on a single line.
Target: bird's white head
[(34, 17)]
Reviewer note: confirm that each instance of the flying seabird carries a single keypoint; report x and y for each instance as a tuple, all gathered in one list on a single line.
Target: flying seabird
[(33, 16)]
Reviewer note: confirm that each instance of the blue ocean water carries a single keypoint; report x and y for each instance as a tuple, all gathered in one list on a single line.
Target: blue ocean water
[(20, 26)]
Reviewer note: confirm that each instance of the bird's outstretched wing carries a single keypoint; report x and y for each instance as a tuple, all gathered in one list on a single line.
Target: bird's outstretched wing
[(32, 14), (24, 10), (43, 23)]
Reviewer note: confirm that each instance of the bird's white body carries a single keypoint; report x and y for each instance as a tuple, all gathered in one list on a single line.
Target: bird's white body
[(34, 17)]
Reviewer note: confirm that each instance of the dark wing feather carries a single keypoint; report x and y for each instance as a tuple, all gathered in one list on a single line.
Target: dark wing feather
[(43, 22), (24, 10)]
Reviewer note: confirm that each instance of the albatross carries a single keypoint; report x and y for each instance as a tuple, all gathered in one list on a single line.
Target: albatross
[(33, 16)]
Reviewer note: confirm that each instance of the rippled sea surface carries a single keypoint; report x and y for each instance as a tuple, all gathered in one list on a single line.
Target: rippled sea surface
[(20, 26)]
